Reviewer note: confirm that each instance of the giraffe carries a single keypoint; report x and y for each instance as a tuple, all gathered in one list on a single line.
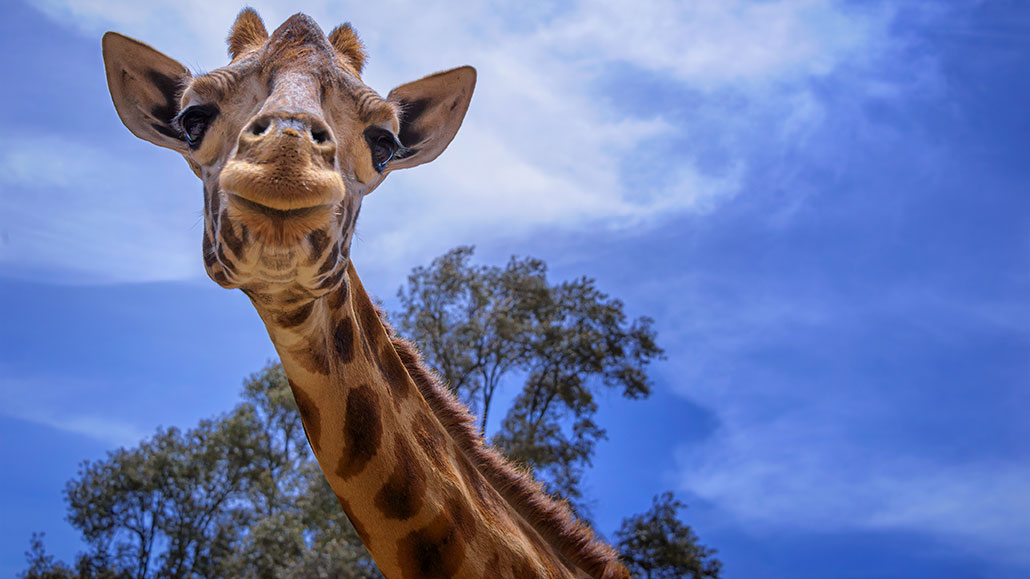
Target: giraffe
[(288, 140)]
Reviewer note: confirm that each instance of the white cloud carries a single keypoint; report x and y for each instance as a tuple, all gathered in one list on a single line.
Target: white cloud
[(100, 428), (714, 44), (544, 146), (44, 400), (820, 443), (803, 472)]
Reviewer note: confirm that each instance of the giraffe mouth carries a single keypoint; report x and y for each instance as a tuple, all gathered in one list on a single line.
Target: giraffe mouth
[(282, 187), (278, 227), (246, 205)]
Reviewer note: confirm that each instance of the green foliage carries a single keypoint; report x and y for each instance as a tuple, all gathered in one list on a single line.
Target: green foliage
[(470, 322), (167, 507), (41, 565), (237, 496), (478, 325), (657, 545)]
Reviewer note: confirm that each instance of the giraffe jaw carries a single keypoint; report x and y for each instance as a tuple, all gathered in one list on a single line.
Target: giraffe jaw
[(278, 227)]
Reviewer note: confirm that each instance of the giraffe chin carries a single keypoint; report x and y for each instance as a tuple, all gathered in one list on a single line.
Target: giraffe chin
[(278, 227)]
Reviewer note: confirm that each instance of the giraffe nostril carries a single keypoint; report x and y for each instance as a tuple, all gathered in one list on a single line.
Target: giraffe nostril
[(319, 136), (258, 127)]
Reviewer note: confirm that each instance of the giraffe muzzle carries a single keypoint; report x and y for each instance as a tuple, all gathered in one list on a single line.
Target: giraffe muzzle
[(285, 162)]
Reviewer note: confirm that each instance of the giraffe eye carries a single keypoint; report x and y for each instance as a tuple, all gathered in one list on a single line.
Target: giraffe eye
[(194, 122), (383, 146)]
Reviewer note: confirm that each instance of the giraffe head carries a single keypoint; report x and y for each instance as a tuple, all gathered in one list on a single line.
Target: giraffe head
[(287, 140)]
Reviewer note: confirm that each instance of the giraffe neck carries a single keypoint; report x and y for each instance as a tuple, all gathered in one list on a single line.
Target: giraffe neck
[(418, 503)]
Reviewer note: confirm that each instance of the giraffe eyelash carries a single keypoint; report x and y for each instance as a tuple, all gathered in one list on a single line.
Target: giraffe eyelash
[(194, 121)]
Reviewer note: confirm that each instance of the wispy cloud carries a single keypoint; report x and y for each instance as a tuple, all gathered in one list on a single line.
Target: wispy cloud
[(549, 144), (92, 216), (44, 400), (803, 473), (830, 420), (724, 44), (100, 428)]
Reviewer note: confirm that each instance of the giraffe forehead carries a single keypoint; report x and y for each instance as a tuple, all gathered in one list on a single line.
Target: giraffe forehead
[(297, 47), (292, 54), (298, 57), (302, 75), (300, 30)]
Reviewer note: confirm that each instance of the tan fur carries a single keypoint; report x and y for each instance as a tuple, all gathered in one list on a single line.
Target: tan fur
[(551, 518), (345, 40), (247, 32)]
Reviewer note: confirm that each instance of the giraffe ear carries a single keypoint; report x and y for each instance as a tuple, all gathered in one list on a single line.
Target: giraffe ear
[(432, 109), (145, 87), (346, 42), (247, 32)]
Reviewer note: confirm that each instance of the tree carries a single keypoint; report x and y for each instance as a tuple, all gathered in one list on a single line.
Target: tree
[(472, 322), (169, 506), (237, 496), (481, 325), (657, 545), (41, 565)]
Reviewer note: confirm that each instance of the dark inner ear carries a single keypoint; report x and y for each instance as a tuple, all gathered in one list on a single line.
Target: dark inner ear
[(411, 134), (164, 110)]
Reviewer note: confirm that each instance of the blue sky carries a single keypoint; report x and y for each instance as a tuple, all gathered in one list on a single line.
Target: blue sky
[(823, 204)]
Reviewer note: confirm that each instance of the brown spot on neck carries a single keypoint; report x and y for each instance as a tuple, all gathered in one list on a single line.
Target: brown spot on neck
[(362, 431), (435, 551), (343, 340), (402, 495), (313, 356), (297, 316)]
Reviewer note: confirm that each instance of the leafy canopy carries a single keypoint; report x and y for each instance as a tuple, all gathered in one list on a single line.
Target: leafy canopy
[(484, 327), (657, 545), (237, 496)]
